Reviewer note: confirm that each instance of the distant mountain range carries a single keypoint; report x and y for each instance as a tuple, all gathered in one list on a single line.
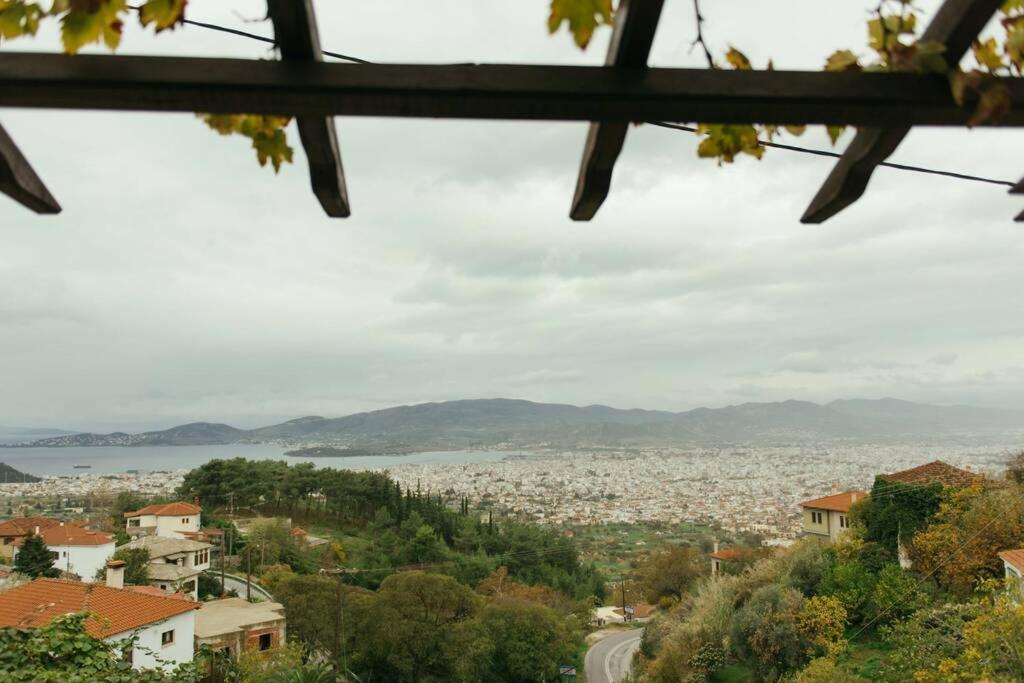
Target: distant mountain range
[(517, 423)]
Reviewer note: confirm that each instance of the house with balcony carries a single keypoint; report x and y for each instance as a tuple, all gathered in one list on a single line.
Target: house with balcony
[(164, 626), (169, 520), (175, 563), (828, 518)]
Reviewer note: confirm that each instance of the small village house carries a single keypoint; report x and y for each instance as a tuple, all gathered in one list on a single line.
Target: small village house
[(1013, 567), (233, 625), (722, 558), (19, 527), (829, 517), (76, 550), (165, 626), (175, 563), (170, 520), (935, 472)]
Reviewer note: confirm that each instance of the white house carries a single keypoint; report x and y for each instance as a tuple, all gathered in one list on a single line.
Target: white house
[(164, 626), (170, 520), (175, 563), (1013, 565), (829, 517), (76, 550)]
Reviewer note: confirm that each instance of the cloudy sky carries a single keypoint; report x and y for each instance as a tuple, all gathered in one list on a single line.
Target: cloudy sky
[(183, 282)]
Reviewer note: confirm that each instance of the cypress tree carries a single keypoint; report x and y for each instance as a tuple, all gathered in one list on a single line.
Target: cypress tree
[(34, 559)]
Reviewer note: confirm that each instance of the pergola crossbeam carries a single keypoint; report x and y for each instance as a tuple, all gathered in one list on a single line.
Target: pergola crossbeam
[(635, 24), (297, 37), (484, 91), (955, 25), (19, 181), (1018, 189)]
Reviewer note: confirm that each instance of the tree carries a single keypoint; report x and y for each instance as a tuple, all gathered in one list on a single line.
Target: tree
[(35, 559), (63, 652), (896, 509), (529, 642), (1015, 468), (821, 621), (926, 639), (765, 632), (669, 571), (136, 572), (851, 584), (896, 595)]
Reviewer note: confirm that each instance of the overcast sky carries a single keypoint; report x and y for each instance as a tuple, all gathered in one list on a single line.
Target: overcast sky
[(183, 282)]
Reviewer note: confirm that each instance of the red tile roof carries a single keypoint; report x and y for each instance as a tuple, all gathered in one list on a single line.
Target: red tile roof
[(70, 534), (839, 502), (117, 610), (22, 526), (166, 510), (1014, 558), (730, 554), (933, 472), (153, 590)]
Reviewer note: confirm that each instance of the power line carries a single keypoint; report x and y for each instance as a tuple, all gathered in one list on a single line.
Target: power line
[(662, 124), (836, 155)]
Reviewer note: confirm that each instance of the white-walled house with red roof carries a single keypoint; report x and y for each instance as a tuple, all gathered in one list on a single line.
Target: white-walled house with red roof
[(1013, 567), (164, 626), (170, 520), (75, 549), (829, 517)]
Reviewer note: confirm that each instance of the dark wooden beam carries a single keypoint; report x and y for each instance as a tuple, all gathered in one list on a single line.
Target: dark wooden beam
[(530, 92), (635, 24), (955, 26), (19, 181), (1018, 189), (299, 41)]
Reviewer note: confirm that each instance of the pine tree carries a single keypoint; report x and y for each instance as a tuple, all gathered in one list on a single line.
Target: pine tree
[(34, 559)]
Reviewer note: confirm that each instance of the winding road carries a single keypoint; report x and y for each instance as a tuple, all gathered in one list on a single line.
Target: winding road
[(611, 658)]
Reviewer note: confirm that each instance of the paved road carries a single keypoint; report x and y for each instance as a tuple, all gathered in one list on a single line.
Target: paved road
[(611, 658), (233, 582)]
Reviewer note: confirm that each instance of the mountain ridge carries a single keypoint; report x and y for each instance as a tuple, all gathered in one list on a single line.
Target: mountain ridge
[(471, 423)]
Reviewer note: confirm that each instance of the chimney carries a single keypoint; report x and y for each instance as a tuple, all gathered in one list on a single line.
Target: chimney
[(115, 573), (835, 488), (853, 497), (716, 546), (36, 532)]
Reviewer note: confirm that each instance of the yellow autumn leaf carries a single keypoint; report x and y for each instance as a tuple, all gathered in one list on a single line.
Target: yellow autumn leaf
[(163, 14), (92, 21), (737, 59), (582, 16), (795, 130), (19, 18), (834, 132), (987, 54)]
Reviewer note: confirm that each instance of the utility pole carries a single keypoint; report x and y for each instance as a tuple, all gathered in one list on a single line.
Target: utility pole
[(622, 579), (248, 573)]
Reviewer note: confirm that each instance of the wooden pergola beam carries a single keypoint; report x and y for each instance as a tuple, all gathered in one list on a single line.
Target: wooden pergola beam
[(955, 25), (1018, 189), (635, 24), (297, 37), (20, 182), (528, 92)]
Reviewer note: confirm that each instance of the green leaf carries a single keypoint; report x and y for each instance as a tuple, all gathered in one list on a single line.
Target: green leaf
[(725, 141), (19, 18), (582, 16), (163, 14), (92, 21), (842, 60), (987, 54), (834, 132)]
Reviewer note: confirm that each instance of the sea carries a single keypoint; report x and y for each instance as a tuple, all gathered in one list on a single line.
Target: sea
[(43, 462)]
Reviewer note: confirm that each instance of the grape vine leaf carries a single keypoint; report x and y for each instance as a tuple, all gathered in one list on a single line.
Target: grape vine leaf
[(738, 60), (842, 60), (19, 18), (582, 16), (987, 54), (92, 21), (163, 14)]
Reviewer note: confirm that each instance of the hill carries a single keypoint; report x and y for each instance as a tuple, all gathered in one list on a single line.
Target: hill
[(517, 423), (9, 474)]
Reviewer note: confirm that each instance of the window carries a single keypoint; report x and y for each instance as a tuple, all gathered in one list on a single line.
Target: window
[(54, 554), (167, 637), (843, 523), (266, 640), (135, 521), (816, 518), (184, 520)]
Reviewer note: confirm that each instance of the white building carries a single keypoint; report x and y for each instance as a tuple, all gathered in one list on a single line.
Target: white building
[(175, 563), (164, 626), (1013, 566), (170, 520), (76, 550)]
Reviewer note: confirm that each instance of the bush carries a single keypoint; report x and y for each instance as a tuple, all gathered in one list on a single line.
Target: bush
[(765, 631), (852, 584), (896, 595), (209, 587)]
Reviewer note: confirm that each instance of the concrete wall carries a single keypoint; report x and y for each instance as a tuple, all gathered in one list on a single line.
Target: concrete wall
[(172, 527), (149, 650), (811, 527)]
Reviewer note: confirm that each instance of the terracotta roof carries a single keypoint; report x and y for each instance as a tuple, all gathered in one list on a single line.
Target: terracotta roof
[(166, 510), (933, 472), (22, 526), (118, 610), (69, 534), (153, 590), (299, 531), (839, 502), (730, 554), (1014, 558)]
